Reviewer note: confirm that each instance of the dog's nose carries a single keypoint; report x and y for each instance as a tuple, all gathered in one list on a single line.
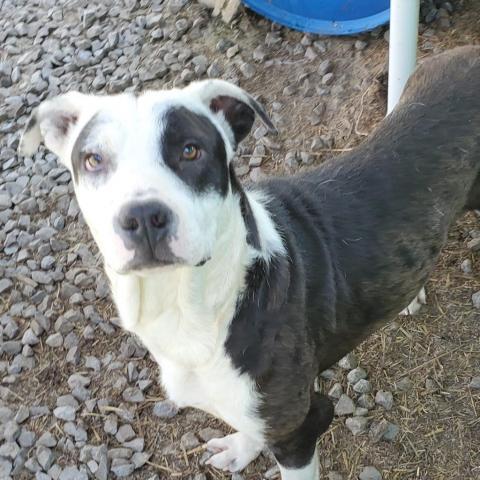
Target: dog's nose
[(140, 221)]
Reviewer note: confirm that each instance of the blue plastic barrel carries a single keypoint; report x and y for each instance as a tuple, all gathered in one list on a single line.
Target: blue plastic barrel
[(327, 17)]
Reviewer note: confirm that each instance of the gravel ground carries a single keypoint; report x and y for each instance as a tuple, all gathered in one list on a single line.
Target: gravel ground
[(79, 397)]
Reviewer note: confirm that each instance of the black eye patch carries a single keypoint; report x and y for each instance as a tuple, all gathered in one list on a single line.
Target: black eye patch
[(210, 170)]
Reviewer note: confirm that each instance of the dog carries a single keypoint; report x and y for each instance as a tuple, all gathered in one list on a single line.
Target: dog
[(243, 295)]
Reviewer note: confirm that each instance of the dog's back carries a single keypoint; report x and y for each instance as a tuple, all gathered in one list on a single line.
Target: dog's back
[(369, 225)]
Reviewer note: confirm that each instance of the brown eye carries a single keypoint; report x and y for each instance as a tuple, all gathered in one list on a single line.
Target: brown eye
[(93, 162), (191, 152)]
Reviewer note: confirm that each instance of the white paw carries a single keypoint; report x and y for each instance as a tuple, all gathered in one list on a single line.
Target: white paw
[(233, 452), (416, 305)]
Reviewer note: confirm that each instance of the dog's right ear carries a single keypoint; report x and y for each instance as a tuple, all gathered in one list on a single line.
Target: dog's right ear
[(56, 123)]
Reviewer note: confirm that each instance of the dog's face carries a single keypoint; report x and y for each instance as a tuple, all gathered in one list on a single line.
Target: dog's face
[(151, 172)]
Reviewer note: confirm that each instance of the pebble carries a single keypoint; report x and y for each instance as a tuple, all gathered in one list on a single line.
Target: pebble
[(384, 399), (125, 433), (165, 409), (370, 473), (66, 413), (22, 414), (476, 299), (55, 340), (189, 441), (466, 266), (344, 406), (366, 401), (348, 362), (475, 383), (133, 394), (355, 375), (336, 391), (362, 386), (378, 430), (72, 473), (356, 425)]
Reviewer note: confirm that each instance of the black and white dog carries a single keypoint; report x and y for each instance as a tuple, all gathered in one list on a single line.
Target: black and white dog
[(244, 295)]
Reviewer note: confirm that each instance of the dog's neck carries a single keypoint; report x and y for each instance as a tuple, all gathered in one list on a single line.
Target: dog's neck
[(189, 309)]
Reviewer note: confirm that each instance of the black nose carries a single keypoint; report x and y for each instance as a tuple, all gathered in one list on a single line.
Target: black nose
[(145, 223)]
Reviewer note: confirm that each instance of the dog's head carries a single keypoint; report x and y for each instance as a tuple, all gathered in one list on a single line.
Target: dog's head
[(151, 172)]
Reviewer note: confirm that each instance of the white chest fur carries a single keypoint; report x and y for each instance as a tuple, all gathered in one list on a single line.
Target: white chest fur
[(186, 334), (183, 314)]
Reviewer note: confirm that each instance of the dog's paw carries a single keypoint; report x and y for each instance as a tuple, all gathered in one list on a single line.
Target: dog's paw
[(416, 305), (233, 452)]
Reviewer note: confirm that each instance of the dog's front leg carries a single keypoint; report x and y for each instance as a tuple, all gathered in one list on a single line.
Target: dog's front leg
[(296, 454), (233, 452)]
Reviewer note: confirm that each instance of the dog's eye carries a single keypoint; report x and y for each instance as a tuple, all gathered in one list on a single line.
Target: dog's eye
[(93, 162), (190, 152)]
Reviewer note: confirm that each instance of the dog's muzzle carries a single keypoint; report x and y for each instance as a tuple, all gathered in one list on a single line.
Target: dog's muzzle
[(146, 229)]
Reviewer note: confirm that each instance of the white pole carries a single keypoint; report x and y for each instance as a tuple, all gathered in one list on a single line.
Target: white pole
[(404, 16)]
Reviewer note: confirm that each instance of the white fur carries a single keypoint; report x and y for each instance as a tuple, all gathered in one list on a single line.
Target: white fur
[(233, 452), (416, 304), (182, 313), (309, 472)]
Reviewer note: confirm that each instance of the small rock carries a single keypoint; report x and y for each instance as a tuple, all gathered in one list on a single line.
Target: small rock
[(125, 433), (370, 473), (189, 441), (55, 340), (360, 45), (475, 383), (165, 409), (344, 406), (111, 424), (133, 395), (200, 63), (248, 70), (327, 79), (72, 473), (22, 414), (377, 430), (325, 67), (336, 391), (206, 434), (259, 54), (47, 440), (5, 285), (26, 439), (45, 457), (403, 385), (66, 413), (356, 425), (360, 412), (366, 401), (474, 244), (362, 386), (232, 51), (355, 375), (384, 399), (29, 338), (476, 299), (335, 476), (5, 468), (466, 266), (391, 432), (122, 470), (348, 362)]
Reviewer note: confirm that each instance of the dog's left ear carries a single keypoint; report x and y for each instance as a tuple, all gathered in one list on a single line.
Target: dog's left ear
[(237, 107), (56, 122)]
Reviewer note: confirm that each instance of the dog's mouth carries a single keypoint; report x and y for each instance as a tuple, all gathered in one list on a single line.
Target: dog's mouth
[(156, 265)]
